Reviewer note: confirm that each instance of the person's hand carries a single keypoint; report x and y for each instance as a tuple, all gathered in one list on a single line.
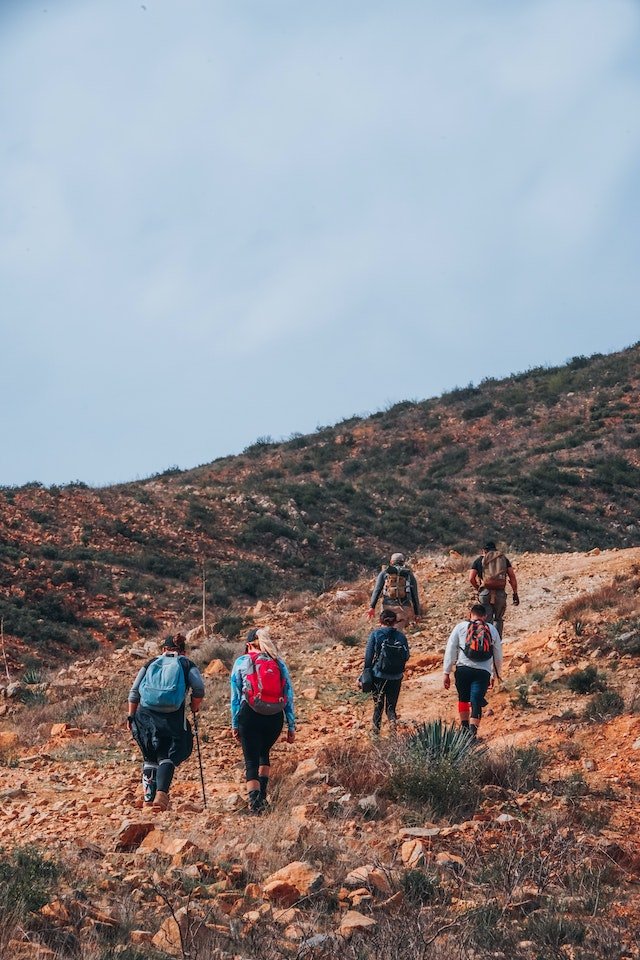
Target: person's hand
[(492, 682), (235, 734), (129, 725), (371, 613), (291, 736), (516, 600), (446, 682)]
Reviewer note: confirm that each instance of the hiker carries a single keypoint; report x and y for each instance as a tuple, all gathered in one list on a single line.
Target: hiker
[(261, 699), (386, 654), (399, 590), (157, 717), (488, 575), (475, 648)]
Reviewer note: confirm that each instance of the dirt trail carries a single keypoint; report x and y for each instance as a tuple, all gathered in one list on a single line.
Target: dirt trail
[(60, 799)]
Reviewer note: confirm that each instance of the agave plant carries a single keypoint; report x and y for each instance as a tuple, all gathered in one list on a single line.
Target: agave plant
[(441, 741)]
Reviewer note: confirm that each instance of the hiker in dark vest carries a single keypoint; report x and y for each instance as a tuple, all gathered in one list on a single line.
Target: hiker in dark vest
[(261, 700), (488, 575), (386, 654), (157, 720), (475, 649), (399, 589)]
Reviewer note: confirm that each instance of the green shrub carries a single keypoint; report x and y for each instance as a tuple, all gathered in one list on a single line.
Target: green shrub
[(230, 625), (514, 768), (26, 880), (419, 887), (440, 766), (604, 706), (586, 681)]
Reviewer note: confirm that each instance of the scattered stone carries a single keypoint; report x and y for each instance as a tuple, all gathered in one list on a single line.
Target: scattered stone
[(589, 765), (310, 693), (296, 880), (131, 835), (308, 771), (215, 668), (354, 921), (412, 853), (369, 805)]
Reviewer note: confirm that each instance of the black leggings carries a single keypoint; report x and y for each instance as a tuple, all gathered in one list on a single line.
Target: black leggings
[(257, 735), (385, 697), (472, 683)]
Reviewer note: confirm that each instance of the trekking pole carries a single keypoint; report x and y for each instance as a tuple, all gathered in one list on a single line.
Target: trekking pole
[(195, 726)]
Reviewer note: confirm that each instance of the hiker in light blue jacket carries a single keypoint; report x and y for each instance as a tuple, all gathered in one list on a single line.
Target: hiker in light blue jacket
[(261, 700), (156, 718)]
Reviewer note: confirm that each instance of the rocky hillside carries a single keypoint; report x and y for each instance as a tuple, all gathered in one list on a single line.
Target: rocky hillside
[(545, 460), (524, 849)]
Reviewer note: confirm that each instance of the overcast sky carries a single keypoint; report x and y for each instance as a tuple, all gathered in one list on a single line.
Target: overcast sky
[(224, 220)]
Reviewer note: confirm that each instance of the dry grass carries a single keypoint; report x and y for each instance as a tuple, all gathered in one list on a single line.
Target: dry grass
[(620, 597), (359, 768)]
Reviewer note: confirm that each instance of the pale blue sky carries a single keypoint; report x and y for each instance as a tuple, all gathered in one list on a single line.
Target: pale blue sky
[(221, 220)]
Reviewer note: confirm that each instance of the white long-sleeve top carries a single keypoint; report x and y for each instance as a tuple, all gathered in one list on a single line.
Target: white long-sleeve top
[(454, 652)]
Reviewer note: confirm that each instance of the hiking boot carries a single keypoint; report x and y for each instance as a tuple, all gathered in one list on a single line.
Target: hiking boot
[(256, 803), (161, 802)]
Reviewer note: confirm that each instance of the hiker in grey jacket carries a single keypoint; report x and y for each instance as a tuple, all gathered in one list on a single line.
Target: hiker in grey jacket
[(473, 675), (162, 731), (399, 589)]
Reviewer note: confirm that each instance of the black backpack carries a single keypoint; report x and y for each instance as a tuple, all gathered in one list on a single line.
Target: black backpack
[(392, 655)]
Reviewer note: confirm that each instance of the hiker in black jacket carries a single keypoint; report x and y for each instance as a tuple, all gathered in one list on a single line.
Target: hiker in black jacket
[(386, 654), (162, 730)]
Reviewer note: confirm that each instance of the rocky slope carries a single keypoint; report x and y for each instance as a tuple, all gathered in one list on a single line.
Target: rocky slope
[(541, 862), (547, 460)]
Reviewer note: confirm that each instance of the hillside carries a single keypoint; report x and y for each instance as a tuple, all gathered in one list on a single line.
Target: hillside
[(544, 460), (525, 854)]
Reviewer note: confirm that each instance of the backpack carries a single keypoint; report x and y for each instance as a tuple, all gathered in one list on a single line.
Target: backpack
[(494, 570), (264, 685), (478, 642), (396, 584), (392, 655), (164, 685)]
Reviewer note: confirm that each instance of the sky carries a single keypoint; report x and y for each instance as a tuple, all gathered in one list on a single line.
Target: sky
[(229, 219)]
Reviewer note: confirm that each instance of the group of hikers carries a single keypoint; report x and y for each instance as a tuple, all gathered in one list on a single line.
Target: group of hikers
[(262, 693)]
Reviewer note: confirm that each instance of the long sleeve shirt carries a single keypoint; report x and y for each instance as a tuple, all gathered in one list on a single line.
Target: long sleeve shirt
[(412, 594), (454, 652), (238, 675)]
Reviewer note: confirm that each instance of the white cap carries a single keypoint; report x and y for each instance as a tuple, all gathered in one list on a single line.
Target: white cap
[(397, 558)]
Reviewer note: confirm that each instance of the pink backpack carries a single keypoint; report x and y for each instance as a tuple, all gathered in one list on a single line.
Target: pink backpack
[(264, 685)]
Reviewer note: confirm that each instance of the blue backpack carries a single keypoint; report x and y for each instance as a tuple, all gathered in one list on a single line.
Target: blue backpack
[(164, 685)]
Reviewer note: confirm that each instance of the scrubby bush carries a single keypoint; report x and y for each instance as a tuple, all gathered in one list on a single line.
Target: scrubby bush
[(586, 681), (514, 768), (438, 765), (604, 706)]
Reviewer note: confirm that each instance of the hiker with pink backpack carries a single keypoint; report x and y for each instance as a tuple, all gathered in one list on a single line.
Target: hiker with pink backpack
[(475, 649), (261, 700)]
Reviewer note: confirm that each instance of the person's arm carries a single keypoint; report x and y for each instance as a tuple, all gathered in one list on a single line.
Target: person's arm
[(370, 650), (497, 651), (413, 589), (134, 693), (474, 576), (289, 711), (451, 651), (377, 590), (196, 684), (236, 693), (514, 584)]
